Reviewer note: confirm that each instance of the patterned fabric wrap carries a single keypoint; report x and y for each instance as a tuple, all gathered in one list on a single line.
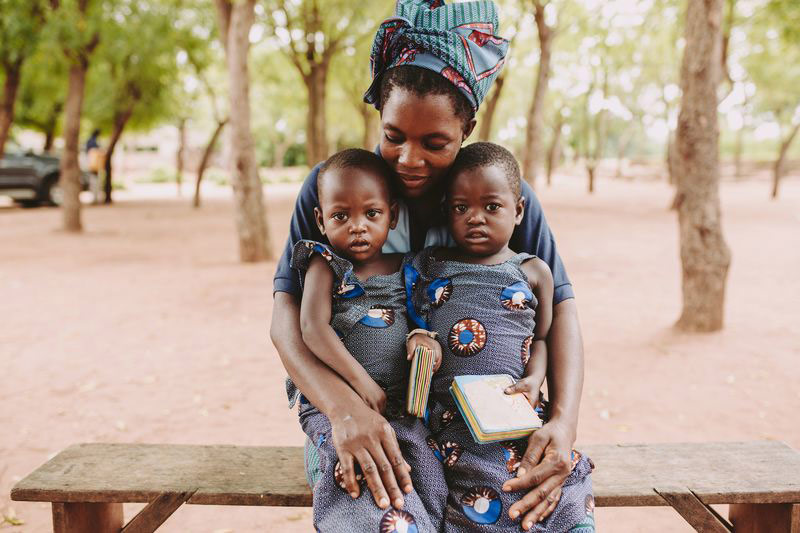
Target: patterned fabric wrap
[(459, 41), (373, 327), (484, 315)]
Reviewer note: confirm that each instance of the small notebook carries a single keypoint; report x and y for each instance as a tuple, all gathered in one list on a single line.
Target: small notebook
[(491, 414), (419, 382)]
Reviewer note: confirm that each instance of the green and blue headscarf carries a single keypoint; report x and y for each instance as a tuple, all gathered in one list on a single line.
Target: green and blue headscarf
[(459, 41)]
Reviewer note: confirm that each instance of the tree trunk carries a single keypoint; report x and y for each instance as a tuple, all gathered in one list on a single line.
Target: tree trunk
[(10, 87), (705, 257), (251, 223), (554, 152), (180, 153), (50, 127), (316, 141), (487, 120), (591, 167), (120, 120), (533, 128), (70, 171), (204, 161), (622, 149), (371, 127), (777, 170)]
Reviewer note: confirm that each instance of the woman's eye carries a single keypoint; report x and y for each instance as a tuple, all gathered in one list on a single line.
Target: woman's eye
[(435, 147), (391, 139), (492, 207)]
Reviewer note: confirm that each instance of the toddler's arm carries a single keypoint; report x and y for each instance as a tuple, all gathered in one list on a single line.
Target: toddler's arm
[(321, 339), (541, 282)]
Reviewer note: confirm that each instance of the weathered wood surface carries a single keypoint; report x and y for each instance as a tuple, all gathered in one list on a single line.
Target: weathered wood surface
[(156, 512), (216, 475), (626, 475), (723, 472)]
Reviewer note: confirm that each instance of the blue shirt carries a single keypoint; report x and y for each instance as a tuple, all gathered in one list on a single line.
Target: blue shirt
[(533, 236)]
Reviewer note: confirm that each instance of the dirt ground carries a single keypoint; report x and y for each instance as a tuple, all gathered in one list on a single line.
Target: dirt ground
[(147, 329)]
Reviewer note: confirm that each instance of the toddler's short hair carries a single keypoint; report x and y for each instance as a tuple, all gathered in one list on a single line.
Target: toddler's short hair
[(485, 154), (361, 159)]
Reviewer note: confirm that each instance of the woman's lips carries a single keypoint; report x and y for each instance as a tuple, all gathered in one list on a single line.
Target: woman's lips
[(411, 181)]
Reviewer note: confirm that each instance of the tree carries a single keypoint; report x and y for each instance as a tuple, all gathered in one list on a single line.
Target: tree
[(705, 256), (533, 128), (20, 27), (310, 38), (76, 24), (134, 80), (235, 20), (43, 91)]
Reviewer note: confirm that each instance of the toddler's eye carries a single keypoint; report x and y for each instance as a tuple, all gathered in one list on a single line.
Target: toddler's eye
[(339, 216), (373, 213), (492, 207), (460, 208)]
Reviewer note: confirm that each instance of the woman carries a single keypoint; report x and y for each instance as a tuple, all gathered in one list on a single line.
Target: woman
[(432, 65)]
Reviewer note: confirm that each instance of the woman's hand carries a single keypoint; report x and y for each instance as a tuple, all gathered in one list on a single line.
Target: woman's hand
[(543, 469), (362, 435), (529, 386), (420, 339)]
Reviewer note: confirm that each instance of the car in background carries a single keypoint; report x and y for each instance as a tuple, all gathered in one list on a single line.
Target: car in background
[(31, 179)]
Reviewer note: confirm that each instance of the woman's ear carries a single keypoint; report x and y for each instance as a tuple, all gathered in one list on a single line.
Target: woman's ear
[(318, 220), (393, 210), (520, 210), (468, 129)]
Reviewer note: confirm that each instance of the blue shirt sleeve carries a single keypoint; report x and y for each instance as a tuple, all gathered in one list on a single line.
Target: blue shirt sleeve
[(302, 226), (533, 236)]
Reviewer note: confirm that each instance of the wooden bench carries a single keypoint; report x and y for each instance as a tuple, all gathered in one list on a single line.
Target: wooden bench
[(88, 483)]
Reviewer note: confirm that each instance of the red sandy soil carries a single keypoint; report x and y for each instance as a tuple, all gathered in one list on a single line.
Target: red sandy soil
[(146, 328)]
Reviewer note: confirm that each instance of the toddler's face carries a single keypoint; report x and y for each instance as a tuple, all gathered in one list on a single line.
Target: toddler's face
[(482, 210), (355, 214)]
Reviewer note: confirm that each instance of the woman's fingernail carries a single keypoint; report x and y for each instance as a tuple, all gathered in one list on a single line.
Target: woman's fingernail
[(520, 472), (398, 503), (383, 503), (527, 525), (506, 488), (514, 515), (408, 489), (354, 495)]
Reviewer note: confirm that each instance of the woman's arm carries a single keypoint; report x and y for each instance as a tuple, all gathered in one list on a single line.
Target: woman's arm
[(321, 339), (547, 461), (359, 433)]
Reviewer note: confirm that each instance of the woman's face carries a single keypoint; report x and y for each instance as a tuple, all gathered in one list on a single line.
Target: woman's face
[(421, 137)]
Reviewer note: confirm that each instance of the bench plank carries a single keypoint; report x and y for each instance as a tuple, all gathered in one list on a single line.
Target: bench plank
[(626, 475)]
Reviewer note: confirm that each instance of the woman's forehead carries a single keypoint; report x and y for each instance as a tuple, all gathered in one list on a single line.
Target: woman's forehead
[(429, 113)]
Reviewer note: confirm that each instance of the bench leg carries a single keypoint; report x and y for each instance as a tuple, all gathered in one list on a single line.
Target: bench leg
[(765, 518), (87, 517)]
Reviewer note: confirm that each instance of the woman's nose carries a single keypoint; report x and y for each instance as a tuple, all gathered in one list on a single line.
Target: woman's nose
[(410, 157)]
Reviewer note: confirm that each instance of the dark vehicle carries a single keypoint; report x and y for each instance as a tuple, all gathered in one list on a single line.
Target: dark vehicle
[(31, 179)]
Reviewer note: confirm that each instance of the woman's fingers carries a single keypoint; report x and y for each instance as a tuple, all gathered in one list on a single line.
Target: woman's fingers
[(400, 468), (529, 504), (553, 503), (542, 510), (349, 475), (373, 478)]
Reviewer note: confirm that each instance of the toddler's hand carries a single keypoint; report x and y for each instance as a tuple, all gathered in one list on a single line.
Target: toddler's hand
[(420, 339), (372, 394), (530, 387)]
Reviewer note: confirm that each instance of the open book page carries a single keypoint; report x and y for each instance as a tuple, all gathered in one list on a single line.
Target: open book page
[(494, 409)]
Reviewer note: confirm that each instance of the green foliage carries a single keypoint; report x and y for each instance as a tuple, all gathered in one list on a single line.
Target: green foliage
[(21, 24), (43, 89)]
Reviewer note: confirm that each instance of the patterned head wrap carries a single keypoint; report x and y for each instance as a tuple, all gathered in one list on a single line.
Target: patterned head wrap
[(457, 40)]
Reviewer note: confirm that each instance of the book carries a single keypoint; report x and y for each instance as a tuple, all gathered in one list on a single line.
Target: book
[(490, 413), (419, 381)]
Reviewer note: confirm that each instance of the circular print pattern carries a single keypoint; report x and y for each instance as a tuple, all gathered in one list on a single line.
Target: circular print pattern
[(451, 452), (398, 521), (439, 291), (467, 337), (512, 453), (339, 476), (434, 446), (517, 296), (482, 505), (349, 290), (447, 417), (378, 317), (526, 350)]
